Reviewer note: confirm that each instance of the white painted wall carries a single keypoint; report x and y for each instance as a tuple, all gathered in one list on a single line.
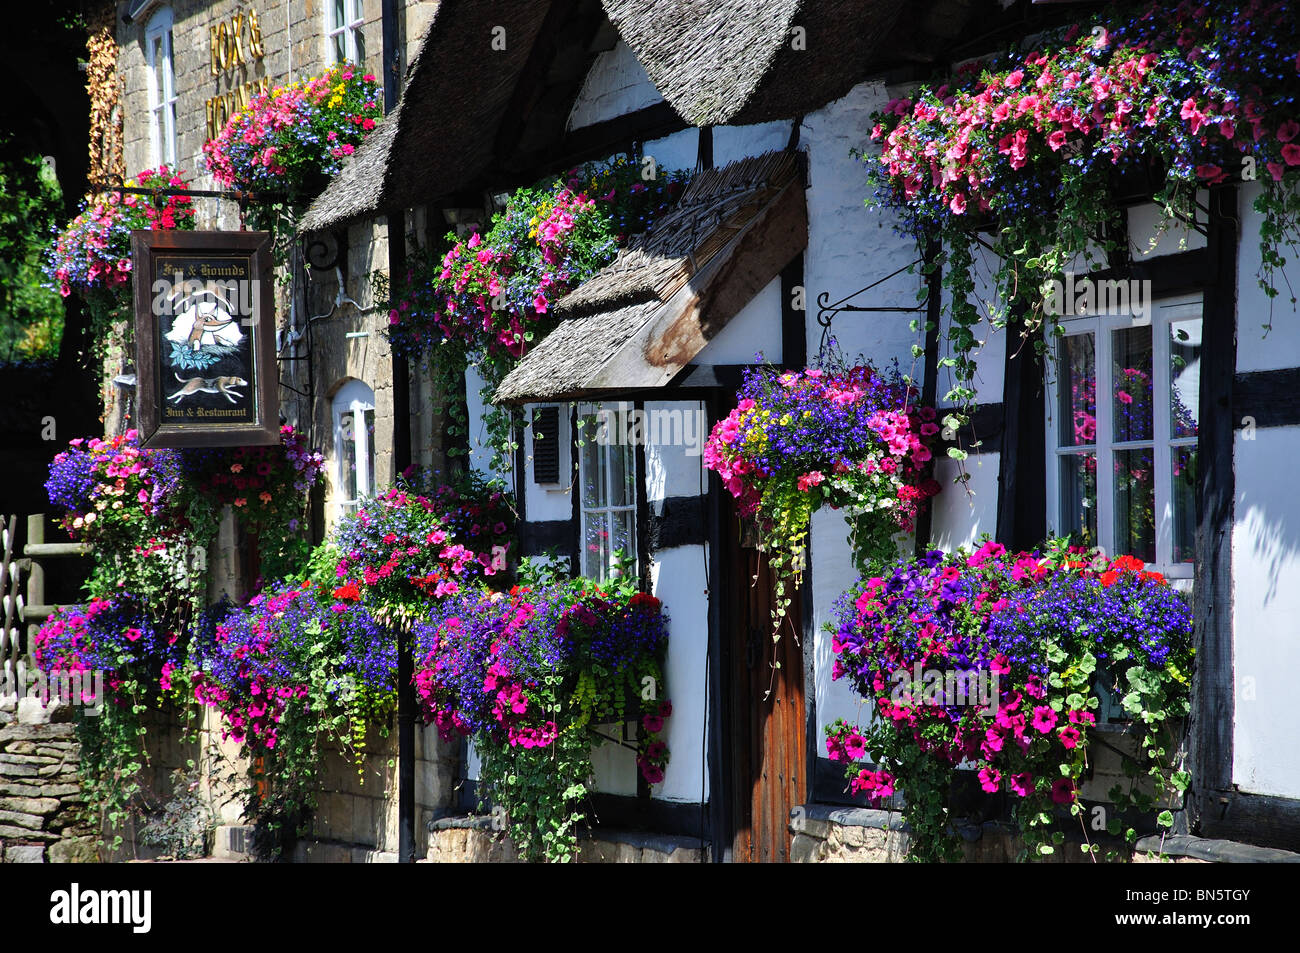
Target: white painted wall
[(961, 517), (990, 356), (737, 142), (1266, 613), (755, 329), (833, 574), (1280, 347), (616, 85), (850, 246), (678, 151), (480, 452), (679, 577), (1146, 242), (1265, 541)]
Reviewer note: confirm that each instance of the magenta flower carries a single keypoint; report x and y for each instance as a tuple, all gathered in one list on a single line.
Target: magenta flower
[(1044, 719), (1062, 791), (856, 746), (1022, 784)]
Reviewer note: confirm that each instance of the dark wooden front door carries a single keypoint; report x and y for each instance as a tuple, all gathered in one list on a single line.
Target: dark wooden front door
[(767, 743)]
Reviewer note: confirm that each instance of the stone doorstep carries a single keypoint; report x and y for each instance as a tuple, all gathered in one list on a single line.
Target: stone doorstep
[(1216, 851), (816, 821)]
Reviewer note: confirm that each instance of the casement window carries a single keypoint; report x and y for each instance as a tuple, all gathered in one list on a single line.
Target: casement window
[(1122, 430), (607, 495), (162, 87), (343, 31), (354, 444)]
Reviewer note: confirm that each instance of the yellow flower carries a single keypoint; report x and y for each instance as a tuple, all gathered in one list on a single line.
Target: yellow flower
[(785, 420)]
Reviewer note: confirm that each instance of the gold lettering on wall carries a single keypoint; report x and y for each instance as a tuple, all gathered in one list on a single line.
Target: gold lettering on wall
[(234, 44)]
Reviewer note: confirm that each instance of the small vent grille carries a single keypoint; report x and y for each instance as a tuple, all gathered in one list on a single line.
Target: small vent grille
[(546, 445)]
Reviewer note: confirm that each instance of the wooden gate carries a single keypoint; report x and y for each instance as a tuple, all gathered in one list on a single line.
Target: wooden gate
[(15, 613), (767, 746)]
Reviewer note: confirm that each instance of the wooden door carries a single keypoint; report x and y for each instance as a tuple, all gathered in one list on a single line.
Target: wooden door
[(767, 743)]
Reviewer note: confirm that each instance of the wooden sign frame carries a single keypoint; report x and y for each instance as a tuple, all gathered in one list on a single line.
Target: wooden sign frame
[(206, 370)]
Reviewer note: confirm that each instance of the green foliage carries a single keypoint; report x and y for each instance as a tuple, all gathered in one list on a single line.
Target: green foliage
[(31, 314)]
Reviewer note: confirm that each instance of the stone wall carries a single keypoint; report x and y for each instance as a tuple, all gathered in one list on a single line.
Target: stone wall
[(41, 807), (357, 804), (471, 840), (824, 834)]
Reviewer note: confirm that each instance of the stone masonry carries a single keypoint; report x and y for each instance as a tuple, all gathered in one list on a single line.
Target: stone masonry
[(41, 807)]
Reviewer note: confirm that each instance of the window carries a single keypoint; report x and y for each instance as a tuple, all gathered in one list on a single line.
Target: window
[(162, 87), (354, 444), (1122, 433), (607, 504), (346, 39)]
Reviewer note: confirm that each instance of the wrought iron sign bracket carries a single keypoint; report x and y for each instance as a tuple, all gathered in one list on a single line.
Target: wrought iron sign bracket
[(827, 310)]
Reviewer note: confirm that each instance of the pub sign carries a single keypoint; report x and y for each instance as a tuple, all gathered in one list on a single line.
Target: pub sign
[(206, 374)]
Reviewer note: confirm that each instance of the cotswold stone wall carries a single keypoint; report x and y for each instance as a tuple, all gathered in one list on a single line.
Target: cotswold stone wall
[(41, 805)]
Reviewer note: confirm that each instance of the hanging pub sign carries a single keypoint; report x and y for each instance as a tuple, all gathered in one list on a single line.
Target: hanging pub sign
[(206, 374)]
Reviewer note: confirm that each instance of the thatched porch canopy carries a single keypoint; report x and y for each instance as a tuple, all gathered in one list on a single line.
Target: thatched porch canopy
[(654, 308)]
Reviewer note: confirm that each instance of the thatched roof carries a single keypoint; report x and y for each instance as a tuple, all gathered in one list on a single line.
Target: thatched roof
[(738, 61), (443, 131), (469, 112), (656, 306)]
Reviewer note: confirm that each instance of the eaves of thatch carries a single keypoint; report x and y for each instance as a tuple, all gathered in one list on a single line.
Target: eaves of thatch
[(654, 308)]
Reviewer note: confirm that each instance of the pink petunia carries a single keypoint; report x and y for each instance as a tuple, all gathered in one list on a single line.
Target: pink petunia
[(1062, 791), (1022, 784), (1044, 719)]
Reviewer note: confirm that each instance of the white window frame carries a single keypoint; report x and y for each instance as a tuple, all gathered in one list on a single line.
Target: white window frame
[(355, 19), (609, 509), (1162, 312), (355, 397), (162, 102)]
